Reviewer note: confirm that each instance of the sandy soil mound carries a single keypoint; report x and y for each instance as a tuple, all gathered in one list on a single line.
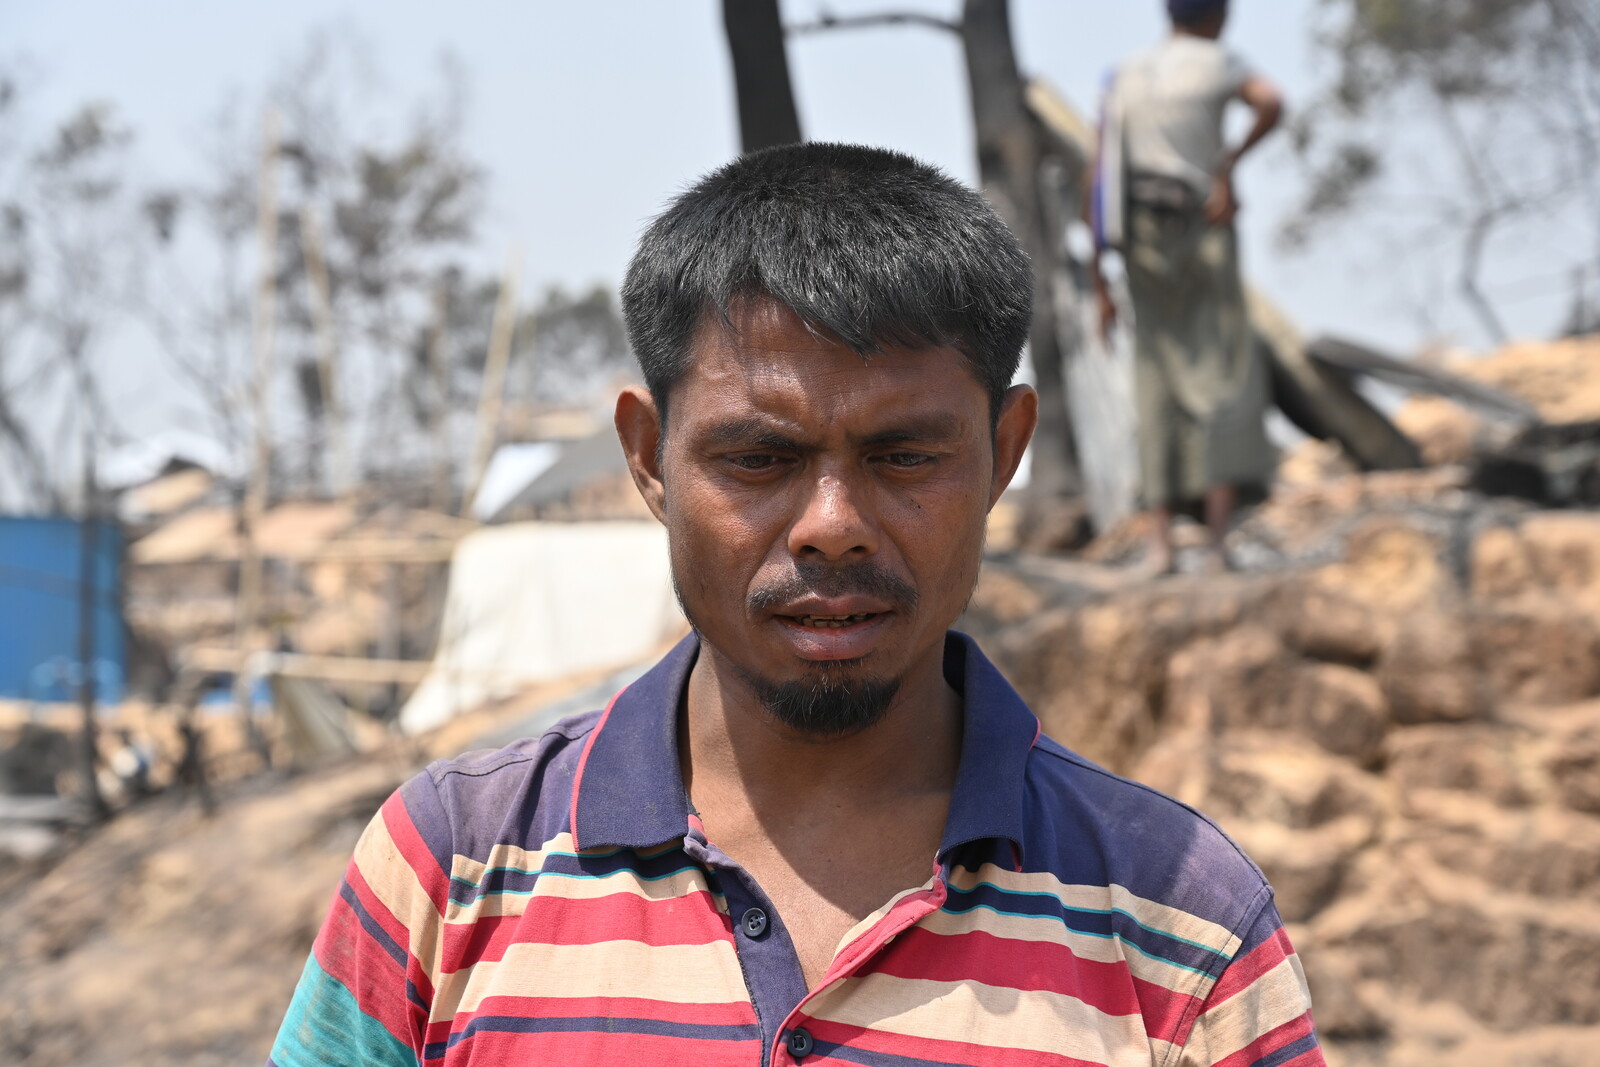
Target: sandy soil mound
[(168, 938), (1402, 729), (1560, 378)]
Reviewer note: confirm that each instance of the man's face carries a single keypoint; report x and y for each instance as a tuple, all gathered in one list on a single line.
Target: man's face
[(826, 513)]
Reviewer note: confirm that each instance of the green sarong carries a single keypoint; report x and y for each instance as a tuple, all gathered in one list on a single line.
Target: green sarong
[(1200, 388)]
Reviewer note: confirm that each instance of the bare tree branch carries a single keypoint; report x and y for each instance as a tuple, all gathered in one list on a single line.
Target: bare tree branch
[(35, 471), (1467, 280), (828, 21), (1513, 93)]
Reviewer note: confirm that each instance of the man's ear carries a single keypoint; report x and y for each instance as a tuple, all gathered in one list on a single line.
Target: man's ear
[(639, 429), (1019, 414)]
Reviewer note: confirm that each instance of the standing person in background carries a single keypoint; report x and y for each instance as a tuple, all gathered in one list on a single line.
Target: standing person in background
[(1164, 196)]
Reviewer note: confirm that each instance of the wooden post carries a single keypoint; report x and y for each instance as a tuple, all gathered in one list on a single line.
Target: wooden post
[(338, 465), (254, 504), (391, 640), (767, 114), (439, 369), (1009, 159), (494, 379), (88, 752)]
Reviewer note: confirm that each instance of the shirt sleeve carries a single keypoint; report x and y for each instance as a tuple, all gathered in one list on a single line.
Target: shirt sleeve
[(366, 990), (1236, 70), (1258, 1014)]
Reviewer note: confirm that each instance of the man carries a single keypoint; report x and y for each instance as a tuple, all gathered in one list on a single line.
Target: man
[(1165, 197), (823, 827)]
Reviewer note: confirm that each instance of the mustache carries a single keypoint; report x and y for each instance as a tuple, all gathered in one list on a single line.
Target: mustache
[(833, 580)]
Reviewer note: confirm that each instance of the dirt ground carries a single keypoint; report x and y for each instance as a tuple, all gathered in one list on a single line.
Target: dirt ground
[(167, 938), (170, 938)]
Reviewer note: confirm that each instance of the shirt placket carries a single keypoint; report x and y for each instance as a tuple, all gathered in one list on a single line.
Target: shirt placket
[(796, 1043), (766, 953), (767, 956)]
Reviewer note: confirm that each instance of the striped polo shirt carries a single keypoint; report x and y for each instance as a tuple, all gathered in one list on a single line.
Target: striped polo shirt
[(557, 901)]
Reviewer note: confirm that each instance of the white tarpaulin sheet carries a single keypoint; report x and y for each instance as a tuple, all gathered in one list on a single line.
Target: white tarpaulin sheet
[(535, 602)]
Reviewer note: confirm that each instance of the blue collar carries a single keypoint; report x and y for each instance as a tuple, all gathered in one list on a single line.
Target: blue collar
[(629, 792)]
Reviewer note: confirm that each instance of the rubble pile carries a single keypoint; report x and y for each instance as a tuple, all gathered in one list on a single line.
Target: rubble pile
[(1398, 720), (1560, 378), (1556, 459)]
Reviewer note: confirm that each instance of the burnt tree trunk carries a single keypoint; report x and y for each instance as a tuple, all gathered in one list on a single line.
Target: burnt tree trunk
[(767, 113), (1010, 154)]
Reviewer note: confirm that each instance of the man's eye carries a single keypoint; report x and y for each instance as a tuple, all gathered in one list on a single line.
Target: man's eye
[(907, 460), (753, 463)]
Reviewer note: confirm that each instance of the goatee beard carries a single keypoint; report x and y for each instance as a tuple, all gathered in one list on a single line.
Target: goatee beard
[(827, 705), (834, 700)]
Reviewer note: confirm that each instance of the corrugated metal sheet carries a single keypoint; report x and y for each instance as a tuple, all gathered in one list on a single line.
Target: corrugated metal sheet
[(39, 605)]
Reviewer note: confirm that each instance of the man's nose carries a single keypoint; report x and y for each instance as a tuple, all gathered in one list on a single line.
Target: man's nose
[(835, 522)]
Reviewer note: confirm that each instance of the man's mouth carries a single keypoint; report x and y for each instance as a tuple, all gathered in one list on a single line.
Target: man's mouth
[(832, 622), (837, 635)]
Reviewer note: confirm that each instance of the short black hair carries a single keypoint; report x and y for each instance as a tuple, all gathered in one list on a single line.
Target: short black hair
[(1193, 14), (864, 244)]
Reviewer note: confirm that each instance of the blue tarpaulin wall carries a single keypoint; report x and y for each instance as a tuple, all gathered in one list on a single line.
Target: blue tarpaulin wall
[(40, 565)]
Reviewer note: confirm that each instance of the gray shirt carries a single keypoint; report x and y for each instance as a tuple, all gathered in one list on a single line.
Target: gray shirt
[(1171, 100)]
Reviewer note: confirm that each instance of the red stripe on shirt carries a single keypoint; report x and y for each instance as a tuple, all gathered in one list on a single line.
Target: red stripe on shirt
[(1271, 1042), (910, 909), (1243, 971), (376, 908), (583, 761), (434, 881), (349, 955), (393, 926), (692, 919), (1165, 1011), (1008, 963)]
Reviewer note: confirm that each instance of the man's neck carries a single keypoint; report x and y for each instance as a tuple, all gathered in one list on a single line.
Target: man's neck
[(830, 830), (730, 744)]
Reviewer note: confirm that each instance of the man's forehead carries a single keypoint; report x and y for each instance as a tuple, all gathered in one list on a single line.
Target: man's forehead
[(762, 338), (746, 311), (758, 323), (884, 426), (790, 371)]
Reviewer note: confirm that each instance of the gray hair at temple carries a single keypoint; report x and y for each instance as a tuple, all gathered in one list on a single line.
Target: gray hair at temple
[(865, 245)]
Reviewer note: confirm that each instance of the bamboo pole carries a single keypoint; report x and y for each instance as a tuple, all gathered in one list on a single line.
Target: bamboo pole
[(349, 669), (492, 397), (254, 505), (438, 368)]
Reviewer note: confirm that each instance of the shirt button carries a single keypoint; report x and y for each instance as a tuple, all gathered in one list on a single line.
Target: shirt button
[(800, 1043), (754, 923)]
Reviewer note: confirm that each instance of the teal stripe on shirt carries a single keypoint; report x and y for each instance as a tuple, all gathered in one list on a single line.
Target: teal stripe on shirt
[(325, 1027)]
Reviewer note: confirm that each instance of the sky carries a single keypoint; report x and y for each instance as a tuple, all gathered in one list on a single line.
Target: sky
[(589, 115)]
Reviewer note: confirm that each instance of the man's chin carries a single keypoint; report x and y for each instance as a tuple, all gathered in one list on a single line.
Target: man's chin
[(832, 701)]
